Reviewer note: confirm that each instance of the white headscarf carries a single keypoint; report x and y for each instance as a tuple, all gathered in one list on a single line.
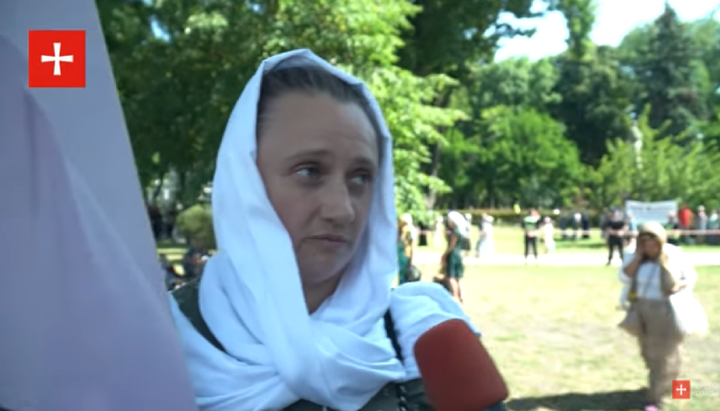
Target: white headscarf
[(407, 218), (460, 222), (252, 300)]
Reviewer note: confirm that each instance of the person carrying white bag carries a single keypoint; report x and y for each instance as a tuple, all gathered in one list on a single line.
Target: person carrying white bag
[(661, 309)]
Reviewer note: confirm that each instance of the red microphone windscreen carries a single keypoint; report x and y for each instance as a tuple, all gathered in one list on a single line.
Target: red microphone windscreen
[(458, 372)]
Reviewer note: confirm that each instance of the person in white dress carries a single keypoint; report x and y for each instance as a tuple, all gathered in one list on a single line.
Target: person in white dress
[(548, 235), (486, 244)]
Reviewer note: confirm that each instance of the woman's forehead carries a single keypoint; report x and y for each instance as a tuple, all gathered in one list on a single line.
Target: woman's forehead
[(299, 125)]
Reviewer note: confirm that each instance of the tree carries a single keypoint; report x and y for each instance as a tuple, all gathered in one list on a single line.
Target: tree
[(413, 122), (706, 36), (580, 17), (530, 155), (662, 170), (667, 73), (595, 91), (518, 153), (596, 100), (515, 82), (447, 36), (181, 65)]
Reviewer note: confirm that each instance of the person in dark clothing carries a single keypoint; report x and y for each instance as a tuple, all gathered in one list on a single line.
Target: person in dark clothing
[(170, 222), (615, 228), (585, 225), (193, 261), (156, 220), (422, 237), (531, 225), (672, 227)]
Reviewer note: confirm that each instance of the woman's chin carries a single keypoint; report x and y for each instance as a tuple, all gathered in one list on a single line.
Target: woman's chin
[(321, 271)]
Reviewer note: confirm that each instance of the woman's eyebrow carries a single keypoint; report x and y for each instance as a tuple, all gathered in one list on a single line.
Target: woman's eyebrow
[(321, 153), (316, 153), (365, 161)]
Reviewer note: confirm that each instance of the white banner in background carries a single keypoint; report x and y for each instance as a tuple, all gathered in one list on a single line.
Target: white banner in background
[(651, 211)]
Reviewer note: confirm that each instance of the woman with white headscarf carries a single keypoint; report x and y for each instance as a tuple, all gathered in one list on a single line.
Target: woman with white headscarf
[(296, 311)]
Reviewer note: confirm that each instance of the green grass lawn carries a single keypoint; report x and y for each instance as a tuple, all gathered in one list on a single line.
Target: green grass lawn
[(553, 334), (509, 240)]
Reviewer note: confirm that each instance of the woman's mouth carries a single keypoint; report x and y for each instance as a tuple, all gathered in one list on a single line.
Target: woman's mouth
[(330, 242), (332, 237)]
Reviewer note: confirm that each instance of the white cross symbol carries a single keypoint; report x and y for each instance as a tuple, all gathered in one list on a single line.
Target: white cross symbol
[(681, 389), (57, 58)]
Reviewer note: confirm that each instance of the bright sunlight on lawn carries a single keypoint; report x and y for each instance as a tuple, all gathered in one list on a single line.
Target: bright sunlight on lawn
[(552, 331)]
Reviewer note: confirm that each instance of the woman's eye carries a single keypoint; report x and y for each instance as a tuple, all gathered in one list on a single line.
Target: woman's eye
[(362, 179), (307, 172)]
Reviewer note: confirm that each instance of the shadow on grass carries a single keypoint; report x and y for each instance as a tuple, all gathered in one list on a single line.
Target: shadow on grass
[(165, 243), (603, 401), (583, 245)]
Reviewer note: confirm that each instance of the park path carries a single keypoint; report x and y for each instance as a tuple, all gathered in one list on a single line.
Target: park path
[(557, 259)]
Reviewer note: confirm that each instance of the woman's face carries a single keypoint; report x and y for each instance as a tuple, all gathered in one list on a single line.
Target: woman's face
[(650, 246), (318, 159)]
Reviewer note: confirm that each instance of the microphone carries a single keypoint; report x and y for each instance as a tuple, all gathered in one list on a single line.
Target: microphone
[(458, 373)]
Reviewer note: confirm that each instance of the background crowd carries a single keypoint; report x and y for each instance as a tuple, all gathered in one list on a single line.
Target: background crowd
[(485, 150)]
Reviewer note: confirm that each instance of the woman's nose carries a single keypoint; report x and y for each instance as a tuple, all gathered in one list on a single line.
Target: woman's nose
[(337, 204)]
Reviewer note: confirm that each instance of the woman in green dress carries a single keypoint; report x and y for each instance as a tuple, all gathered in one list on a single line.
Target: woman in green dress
[(405, 248), (296, 311), (452, 260)]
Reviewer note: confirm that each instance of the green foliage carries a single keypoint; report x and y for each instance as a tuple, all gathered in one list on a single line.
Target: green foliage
[(595, 100), (406, 101), (178, 89), (449, 35), (663, 170), (531, 155), (595, 89), (513, 82), (706, 36), (195, 223), (666, 67), (517, 153), (580, 16), (467, 131)]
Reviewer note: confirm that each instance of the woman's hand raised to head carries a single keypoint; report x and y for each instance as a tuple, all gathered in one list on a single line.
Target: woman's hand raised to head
[(631, 268)]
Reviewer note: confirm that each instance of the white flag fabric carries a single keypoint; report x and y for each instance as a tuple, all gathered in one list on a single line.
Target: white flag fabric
[(84, 320), (656, 211)]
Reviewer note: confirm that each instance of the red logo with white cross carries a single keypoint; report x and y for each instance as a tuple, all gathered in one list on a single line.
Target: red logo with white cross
[(56, 58), (681, 389)]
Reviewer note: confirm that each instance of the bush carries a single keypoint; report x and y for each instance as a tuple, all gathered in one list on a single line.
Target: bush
[(195, 223)]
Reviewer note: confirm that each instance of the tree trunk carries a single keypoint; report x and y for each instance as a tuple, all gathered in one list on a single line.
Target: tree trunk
[(158, 189), (442, 101)]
